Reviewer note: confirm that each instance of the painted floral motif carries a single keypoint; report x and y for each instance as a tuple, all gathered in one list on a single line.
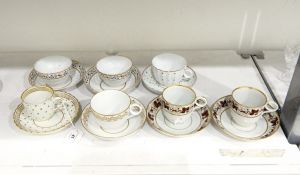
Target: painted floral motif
[(177, 110), (54, 75), (115, 77)]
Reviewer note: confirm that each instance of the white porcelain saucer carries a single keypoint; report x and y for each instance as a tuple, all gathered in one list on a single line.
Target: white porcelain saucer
[(91, 126), (199, 120), (95, 84), (73, 80), (151, 84), (59, 121), (265, 127)]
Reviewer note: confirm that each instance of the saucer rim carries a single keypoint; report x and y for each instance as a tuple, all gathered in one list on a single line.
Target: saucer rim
[(60, 94), (223, 130), (87, 79), (159, 92), (87, 107), (163, 132), (32, 79)]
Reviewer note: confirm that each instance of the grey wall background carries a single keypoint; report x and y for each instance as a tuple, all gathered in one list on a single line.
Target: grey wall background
[(84, 25)]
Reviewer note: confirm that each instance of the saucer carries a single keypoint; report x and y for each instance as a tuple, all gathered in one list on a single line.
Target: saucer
[(91, 126), (60, 120), (265, 127), (95, 84), (199, 120), (151, 84), (72, 81)]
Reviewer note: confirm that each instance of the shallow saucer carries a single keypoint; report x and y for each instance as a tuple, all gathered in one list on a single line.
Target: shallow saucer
[(73, 80), (151, 84), (95, 84), (264, 128), (199, 120), (91, 126), (60, 120)]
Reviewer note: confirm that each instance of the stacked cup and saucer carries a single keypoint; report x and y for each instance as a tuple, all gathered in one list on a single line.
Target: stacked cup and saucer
[(112, 73), (59, 72), (168, 69), (45, 111), (178, 112), (246, 114)]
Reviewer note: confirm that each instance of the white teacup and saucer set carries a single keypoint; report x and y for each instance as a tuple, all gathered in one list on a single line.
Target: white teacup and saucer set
[(246, 114), (168, 69), (113, 114), (45, 111), (114, 72), (178, 112), (59, 72)]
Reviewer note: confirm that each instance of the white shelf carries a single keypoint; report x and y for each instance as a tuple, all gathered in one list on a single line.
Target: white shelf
[(147, 152)]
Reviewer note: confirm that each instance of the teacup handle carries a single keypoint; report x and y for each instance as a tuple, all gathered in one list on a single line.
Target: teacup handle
[(134, 110), (200, 102), (271, 106), (188, 73)]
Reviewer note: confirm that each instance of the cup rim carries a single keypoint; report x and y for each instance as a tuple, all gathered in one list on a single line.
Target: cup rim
[(127, 70), (36, 88), (111, 115), (187, 87), (252, 88), (168, 70)]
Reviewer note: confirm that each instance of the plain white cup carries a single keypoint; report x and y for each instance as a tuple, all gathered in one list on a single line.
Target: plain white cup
[(54, 70), (169, 69), (40, 103), (248, 104), (112, 109), (178, 103), (114, 70)]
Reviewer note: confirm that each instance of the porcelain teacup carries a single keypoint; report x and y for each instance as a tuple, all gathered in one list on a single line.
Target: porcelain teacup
[(248, 104), (169, 69), (114, 70), (40, 103), (113, 109), (178, 103), (54, 70)]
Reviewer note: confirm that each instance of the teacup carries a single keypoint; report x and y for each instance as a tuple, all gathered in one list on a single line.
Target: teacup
[(114, 70), (178, 103), (54, 70), (248, 104), (40, 103), (112, 109), (169, 69)]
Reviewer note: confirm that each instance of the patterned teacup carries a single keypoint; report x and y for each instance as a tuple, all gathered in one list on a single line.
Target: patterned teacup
[(169, 69), (178, 103), (114, 70), (40, 103), (248, 104), (54, 70), (112, 109)]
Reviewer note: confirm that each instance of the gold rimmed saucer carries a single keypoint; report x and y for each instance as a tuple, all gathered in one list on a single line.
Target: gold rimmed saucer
[(59, 121), (91, 126), (199, 120), (265, 127), (94, 84)]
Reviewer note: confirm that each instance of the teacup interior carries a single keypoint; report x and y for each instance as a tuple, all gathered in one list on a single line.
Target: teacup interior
[(169, 62), (112, 65), (249, 97), (52, 64), (110, 102), (179, 95), (37, 97)]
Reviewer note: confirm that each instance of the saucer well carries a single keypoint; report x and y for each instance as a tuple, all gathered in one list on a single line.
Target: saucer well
[(59, 121), (73, 80), (265, 127), (95, 84), (199, 120), (91, 126), (151, 84)]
